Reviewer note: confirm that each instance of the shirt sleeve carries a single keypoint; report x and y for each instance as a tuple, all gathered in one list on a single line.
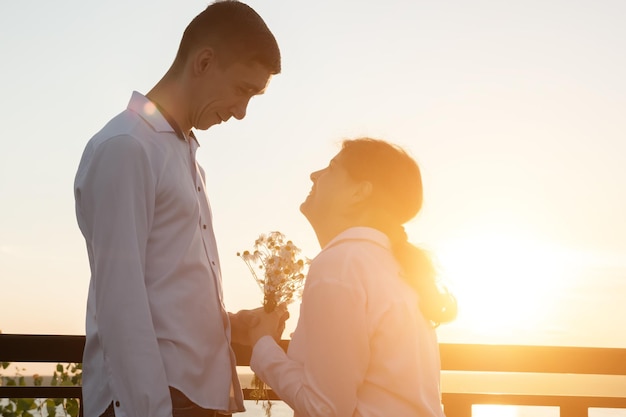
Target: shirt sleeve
[(117, 203), (336, 354)]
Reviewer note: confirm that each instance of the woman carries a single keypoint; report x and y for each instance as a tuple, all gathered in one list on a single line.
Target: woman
[(365, 343)]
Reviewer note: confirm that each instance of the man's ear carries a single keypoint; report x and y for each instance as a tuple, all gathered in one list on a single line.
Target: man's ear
[(204, 60)]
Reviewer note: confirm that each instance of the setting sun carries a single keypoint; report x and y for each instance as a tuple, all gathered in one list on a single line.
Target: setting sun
[(502, 281)]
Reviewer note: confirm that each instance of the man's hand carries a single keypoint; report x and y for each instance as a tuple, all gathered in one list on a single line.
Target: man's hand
[(248, 326), (270, 324), (241, 323)]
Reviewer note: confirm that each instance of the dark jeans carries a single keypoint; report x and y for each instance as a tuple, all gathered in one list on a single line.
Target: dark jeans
[(181, 407)]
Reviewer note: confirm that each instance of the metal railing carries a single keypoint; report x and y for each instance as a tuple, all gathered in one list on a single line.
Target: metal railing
[(454, 357)]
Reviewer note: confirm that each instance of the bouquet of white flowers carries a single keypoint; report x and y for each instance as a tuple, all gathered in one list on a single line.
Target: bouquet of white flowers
[(283, 272), (281, 279)]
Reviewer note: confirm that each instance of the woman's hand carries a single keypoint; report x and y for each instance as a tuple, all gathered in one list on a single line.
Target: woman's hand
[(269, 324)]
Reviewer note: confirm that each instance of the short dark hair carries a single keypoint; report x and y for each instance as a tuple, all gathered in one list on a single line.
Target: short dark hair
[(236, 32)]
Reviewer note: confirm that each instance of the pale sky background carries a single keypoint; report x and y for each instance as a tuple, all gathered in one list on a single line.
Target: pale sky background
[(515, 110)]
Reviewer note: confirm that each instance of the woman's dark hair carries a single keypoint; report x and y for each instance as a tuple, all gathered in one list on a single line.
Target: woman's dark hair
[(236, 32), (396, 198)]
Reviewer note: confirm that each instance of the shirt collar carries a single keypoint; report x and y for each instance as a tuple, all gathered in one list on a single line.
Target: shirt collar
[(361, 233), (155, 116)]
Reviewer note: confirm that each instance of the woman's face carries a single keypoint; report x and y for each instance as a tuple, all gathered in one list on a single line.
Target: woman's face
[(332, 194)]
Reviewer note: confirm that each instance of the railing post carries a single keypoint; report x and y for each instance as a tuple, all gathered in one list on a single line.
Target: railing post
[(573, 410), (453, 407)]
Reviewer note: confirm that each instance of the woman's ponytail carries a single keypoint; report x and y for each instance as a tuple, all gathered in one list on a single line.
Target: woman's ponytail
[(397, 198), (436, 303)]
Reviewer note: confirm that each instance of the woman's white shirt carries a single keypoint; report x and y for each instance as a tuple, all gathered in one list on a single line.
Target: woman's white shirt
[(361, 346)]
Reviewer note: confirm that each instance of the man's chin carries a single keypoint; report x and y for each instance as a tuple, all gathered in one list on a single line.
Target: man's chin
[(207, 125)]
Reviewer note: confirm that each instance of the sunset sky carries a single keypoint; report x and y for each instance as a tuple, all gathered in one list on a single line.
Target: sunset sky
[(515, 112)]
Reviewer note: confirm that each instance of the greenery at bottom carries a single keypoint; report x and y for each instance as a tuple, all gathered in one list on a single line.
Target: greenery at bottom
[(64, 375)]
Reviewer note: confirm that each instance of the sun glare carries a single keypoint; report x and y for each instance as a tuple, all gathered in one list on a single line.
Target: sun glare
[(503, 283)]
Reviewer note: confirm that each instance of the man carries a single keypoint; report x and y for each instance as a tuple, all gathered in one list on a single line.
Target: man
[(158, 335)]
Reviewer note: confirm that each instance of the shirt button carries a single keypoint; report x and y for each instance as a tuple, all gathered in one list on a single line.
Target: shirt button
[(204, 226), (213, 263), (117, 403), (199, 189)]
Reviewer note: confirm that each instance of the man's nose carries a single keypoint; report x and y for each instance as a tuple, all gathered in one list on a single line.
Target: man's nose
[(239, 111)]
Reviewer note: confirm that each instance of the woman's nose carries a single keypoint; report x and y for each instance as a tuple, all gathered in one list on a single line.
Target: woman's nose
[(315, 174)]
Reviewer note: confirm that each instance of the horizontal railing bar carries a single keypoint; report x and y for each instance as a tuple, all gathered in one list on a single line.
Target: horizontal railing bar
[(457, 357), (535, 400), (41, 348), (534, 359), (248, 391), (454, 357), (40, 392)]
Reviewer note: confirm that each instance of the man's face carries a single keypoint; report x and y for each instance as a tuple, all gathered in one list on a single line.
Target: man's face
[(225, 92)]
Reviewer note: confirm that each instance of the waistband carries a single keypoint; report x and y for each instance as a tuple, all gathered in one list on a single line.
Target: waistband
[(181, 407), (187, 408)]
